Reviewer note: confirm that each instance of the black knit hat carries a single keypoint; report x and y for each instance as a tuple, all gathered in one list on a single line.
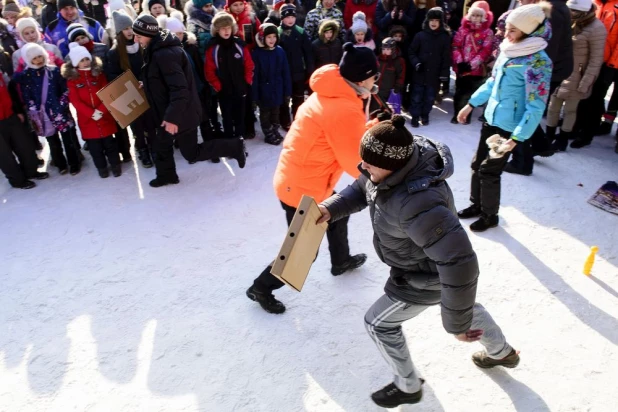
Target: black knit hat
[(146, 25), (358, 63), (435, 13), (287, 10), (153, 2), (67, 3), (388, 145)]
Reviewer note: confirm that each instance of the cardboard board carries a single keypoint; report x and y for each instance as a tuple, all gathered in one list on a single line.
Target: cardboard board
[(124, 99), (300, 246)]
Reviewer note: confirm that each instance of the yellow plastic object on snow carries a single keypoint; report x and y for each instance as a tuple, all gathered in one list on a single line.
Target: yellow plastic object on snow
[(590, 261)]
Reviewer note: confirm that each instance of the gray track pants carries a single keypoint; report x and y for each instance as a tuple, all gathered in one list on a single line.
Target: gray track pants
[(383, 322)]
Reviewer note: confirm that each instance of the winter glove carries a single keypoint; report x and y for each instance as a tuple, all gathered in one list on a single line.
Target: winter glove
[(97, 115), (463, 67), (418, 67), (498, 146)]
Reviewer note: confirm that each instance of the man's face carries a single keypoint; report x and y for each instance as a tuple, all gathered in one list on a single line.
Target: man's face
[(328, 4), (128, 33), (359, 37), (398, 37), (30, 35), (157, 10), (82, 40), (225, 32), (271, 40), (208, 8), (376, 174), (328, 35), (237, 7), (69, 13), (38, 61), (434, 24), (142, 40), (289, 21)]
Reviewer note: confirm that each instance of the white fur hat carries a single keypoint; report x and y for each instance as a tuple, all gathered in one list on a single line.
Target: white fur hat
[(359, 23), (32, 50), (527, 18), (579, 5), (174, 25), (77, 53), (24, 23)]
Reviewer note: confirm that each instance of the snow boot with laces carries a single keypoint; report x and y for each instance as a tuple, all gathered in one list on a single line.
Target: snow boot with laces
[(272, 138), (266, 300), (470, 212), (391, 396), (482, 360), (484, 223), (352, 263)]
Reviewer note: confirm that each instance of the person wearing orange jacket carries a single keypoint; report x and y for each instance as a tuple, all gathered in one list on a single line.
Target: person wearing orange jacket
[(590, 110), (320, 146)]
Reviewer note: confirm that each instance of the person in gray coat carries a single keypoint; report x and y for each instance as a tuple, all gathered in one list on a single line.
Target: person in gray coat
[(416, 233)]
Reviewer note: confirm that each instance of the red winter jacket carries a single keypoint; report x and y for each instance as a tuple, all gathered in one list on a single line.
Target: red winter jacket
[(473, 44), (83, 87), (248, 25)]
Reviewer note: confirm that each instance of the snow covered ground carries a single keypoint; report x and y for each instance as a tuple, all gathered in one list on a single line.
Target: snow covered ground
[(118, 297)]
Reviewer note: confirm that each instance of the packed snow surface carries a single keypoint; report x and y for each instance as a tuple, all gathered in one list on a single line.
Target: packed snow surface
[(118, 297)]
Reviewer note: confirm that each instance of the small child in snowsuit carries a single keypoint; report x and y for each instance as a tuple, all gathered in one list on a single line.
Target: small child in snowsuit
[(430, 57), (297, 46), (472, 47), (15, 143), (85, 78), (360, 34), (392, 70), (327, 48), (271, 81), (45, 94), (229, 71)]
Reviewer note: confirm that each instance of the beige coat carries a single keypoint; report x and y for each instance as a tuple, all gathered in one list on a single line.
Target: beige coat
[(588, 49)]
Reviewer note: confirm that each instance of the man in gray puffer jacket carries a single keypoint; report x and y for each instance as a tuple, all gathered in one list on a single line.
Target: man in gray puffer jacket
[(416, 233)]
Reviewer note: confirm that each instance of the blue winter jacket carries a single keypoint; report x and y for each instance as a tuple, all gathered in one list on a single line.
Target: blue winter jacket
[(516, 93), (271, 77), (56, 32)]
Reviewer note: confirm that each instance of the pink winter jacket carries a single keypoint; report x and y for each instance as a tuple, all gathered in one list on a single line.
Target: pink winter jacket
[(473, 44)]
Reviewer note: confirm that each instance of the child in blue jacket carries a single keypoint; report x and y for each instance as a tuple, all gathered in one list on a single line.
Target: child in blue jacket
[(272, 84)]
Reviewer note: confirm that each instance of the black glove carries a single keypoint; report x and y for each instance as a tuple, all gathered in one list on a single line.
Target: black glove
[(419, 67), (464, 67)]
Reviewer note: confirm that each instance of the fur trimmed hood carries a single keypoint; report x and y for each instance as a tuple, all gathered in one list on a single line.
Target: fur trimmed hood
[(329, 24), (70, 72)]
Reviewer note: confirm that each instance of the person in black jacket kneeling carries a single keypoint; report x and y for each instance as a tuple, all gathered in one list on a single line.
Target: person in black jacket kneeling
[(169, 84), (416, 233)]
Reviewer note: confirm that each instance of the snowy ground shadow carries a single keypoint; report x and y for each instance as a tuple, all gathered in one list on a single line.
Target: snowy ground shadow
[(524, 399), (604, 285), (582, 308)]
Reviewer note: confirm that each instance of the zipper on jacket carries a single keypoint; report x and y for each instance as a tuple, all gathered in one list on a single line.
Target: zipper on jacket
[(92, 102), (515, 111)]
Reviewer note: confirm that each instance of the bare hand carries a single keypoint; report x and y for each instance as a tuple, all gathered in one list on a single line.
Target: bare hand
[(171, 128), (141, 85), (325, 215), (509, 145), (21, 117), (393, 14), (462, 117), (472, 335)]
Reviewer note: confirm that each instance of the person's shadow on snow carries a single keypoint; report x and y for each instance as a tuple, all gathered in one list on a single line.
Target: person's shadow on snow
[(524, 399)]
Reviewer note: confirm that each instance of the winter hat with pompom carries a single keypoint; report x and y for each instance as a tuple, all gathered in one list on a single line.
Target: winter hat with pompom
[(579, 5), (388, 145), (32, 50), (171, 23), (121, 20), (358, 63), (77, 53), (25, 22), (359, 23), (527, 18), (221, 20)]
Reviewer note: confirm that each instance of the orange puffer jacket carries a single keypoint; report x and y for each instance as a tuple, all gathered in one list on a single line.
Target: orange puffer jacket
[(323, 141), (607, 12)]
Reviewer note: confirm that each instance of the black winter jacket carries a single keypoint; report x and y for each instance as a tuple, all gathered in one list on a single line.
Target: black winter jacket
[(433, 50), (417, 233), (327, 53), (297, 48), (169, 84), (112, 64), (560, 46), (49, 14)]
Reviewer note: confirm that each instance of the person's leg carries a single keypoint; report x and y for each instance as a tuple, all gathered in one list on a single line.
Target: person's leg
[(337, 235), (459, 100), (429, 98), (553, 111), (214, 115), (265, 121), (138, 129), (570, 115), (481, 154), (245, 125), (97, 151), (187, 143), (123, 143), (57, 155), (284, 113), (9, 166), (492, 339), (23, 147), (298, 96), (383, 322), (163, 146), (594, 107), (227, 114), (68, 139), (490, 172), (417, 101), (111, 150)]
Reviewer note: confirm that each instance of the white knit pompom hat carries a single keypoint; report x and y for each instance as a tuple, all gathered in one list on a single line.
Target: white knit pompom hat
[(527, 18), (77, 53)]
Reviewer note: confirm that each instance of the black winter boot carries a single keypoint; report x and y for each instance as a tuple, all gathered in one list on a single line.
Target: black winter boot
[(158, 182), (414, 122), (116, 170), (275, 130), (352, 263), (391, 396), (271, 137), (470, 212), (484, 223), (39, 176), (234, 148), (103, 173), (266, 300), (581, 141), (561, 142), (144, 156), (550, 134), (26, 184)]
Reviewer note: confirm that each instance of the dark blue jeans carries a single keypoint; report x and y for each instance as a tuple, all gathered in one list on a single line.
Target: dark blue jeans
[(423, 97)]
